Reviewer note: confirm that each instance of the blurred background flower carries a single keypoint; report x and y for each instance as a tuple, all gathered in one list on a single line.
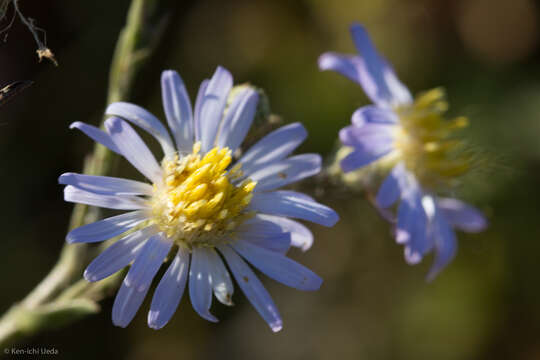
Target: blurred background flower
[(414, 139), (371, 305)]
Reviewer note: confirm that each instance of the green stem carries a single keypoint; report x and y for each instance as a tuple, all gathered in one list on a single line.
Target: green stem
[(54, 302)]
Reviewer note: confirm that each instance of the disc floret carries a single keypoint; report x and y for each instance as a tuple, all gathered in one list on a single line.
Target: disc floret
[(426, 141), (198, 203)]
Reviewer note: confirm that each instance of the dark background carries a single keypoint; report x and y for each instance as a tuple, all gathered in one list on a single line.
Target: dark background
[(485, 305)]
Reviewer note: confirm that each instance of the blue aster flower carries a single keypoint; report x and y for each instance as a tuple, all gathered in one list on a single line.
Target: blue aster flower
[(199, 209), (412, 137)]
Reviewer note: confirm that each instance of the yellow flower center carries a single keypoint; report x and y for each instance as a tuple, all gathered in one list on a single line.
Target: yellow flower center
[(426, 140), (198, 204)]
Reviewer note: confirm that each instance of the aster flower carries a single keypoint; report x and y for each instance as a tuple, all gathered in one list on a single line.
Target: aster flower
[(199, 208), (412, 137)]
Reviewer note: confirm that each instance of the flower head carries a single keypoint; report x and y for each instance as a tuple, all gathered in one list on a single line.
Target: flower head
[(412, 137), (199, 208)]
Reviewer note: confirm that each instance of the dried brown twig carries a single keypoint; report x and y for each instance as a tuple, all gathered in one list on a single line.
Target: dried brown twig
[(42, 51)]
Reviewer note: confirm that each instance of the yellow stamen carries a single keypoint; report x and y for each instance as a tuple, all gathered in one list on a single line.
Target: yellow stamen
[(197, 204), (426, 140)]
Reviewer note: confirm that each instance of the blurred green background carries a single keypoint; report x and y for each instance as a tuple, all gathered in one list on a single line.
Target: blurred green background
[(372, 305)]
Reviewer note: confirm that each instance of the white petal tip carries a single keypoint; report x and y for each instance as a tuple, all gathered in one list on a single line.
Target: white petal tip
[(412, 258), (75, 125), (153, 320), (402, 237), (111, 108), (226, 301), (224, 70), (89, 277), (168, 72), (325, 62), (117, 322), (208, 316), (305, 247), (276, 326)]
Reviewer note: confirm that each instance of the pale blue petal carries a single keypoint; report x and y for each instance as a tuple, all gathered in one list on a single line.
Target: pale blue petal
[(238, 120), (405, 220), (411, 229), (370, 138), (197, 109), (360, 158), (278, 242), (390, 190), (377, 78), (411, 195), (134, 149), (273, 147), (118, 202), (445, 245), (297, 194), (288, 203), (279, 267), (346, 65), (372, 114), (148, 262), (138, 280), (258, 226), (253, 288), (177, 108), (106, 185), (264, 233), (221, 279), (126, 304), (140, 117), (213, 106), (370, 142), (286, 171), (107, 228), (301, 236), (118, 255), (169, 291), (462, 216), (405, 217), (200, 283), (97, 135)]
